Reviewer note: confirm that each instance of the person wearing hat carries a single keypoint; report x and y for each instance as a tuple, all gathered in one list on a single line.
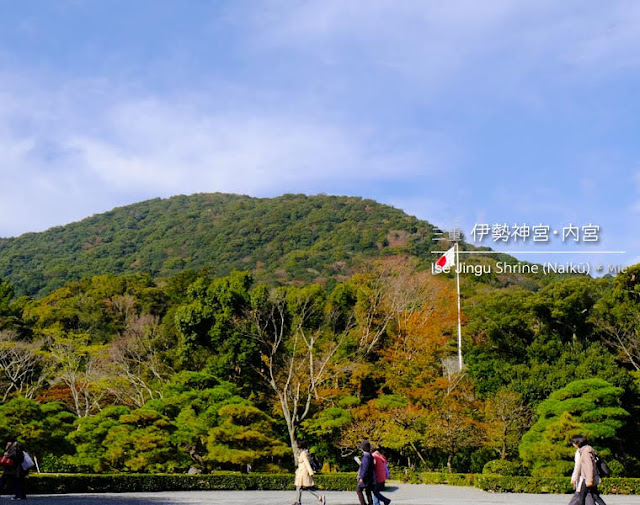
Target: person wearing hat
[(365, 474)]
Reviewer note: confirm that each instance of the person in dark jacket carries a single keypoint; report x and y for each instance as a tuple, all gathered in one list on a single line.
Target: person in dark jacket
[(365, 474), (7, 474), (15, 452)]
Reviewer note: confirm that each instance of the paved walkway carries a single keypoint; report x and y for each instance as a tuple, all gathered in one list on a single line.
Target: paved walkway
[(404, 494)]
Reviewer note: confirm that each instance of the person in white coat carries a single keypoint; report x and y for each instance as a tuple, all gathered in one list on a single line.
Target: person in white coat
[(585, 476), (304, 475)]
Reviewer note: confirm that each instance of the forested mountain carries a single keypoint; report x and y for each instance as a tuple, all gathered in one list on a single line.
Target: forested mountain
[(292, 237)]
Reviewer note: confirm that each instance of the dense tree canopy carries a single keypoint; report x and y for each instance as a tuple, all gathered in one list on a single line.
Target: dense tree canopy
[(201, 371)]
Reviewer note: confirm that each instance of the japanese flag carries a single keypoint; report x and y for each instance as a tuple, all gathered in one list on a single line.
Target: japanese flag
[(447, 259)]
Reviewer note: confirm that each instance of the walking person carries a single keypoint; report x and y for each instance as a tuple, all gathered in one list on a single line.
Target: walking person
[(15, 453), (585, 477), (381, 474), (304, 475), (365, 474), (8, 469)]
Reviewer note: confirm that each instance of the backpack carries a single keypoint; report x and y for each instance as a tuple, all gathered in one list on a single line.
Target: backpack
[(27, 462), (601, 467), (315, 464)]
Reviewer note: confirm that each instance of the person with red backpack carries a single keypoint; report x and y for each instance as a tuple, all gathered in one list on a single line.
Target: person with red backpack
[(381, 474), (15, 453)]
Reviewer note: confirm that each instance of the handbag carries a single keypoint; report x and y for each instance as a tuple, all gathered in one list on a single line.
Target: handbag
[(27, 462), (602, 468), (6, 461)]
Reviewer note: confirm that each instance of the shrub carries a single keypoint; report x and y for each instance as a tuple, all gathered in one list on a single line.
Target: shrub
[(616, 485), (451, 479), (503, 467), (514, 484), (52, 463), (617, 468), (121, 483)]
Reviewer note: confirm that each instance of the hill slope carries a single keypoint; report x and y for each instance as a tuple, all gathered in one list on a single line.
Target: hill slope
[(289, 238)]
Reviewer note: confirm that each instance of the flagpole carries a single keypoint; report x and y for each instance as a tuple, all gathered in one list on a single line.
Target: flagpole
[(459, 321)]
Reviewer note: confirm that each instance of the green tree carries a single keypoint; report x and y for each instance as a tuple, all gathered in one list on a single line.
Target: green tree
[(244, 436), (617, 316), (192, 400), (324, 430), (590, 407), (214, 425), (7, 312), (11, 310), (42, 428), (141, 441), (564, 308), (89, 438), (212, 330), (540, 376), (6, 295)]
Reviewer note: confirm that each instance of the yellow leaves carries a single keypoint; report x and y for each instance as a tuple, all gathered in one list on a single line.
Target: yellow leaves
[(388, 421), (422, 314), (506, 418)]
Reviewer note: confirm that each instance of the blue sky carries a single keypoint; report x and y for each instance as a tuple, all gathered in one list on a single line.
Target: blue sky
[(458, 112)]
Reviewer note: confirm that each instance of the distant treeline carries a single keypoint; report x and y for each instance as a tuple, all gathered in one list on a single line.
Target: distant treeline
[(140, 374)]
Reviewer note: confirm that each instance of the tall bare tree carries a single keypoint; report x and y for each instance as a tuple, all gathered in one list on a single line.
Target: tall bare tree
[(300, 333), (22, 366), (78, 365), (137, 363), (507, 418)]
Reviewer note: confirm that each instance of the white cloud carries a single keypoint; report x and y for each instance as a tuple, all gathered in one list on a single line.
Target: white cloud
[(68, 162), (69, 150), (160, 146), (508, 48)]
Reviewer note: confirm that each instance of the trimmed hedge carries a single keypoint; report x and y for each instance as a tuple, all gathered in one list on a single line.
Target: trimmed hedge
[(126, 483), (619, 485), (514, 484), (450, 479), (517, 484), (504, 484)]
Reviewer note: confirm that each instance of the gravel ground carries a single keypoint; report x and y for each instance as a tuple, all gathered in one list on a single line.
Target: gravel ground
[(403, 494)]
